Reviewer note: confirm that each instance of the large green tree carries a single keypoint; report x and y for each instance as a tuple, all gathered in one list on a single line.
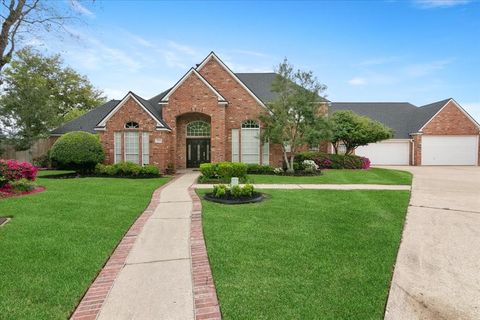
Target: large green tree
[(40, 93), (354, 130), (297, 116)]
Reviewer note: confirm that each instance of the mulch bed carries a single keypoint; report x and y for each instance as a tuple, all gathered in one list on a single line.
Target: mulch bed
[(256, 197), (7, 194)]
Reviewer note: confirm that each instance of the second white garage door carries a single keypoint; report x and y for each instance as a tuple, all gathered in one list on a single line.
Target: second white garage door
[(449, 150), (388, 152)]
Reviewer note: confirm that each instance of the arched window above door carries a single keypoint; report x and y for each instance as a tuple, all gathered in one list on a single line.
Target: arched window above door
[(131, 125), (198, 129)]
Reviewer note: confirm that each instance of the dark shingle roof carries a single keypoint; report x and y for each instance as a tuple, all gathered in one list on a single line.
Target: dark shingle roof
[(261, 85), (403, 117), (89, 120)]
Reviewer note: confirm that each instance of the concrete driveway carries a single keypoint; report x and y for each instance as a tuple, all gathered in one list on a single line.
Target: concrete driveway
[(437, 273)]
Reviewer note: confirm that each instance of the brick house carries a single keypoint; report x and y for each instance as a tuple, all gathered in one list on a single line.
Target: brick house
[(211, 113)]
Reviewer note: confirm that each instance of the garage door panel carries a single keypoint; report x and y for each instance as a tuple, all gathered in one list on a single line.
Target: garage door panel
[(386, 153), (449, 150)]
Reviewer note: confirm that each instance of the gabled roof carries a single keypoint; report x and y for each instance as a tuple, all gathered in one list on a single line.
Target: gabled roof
[(261, 85), (212, 55), (395, 115), (154, 112), (403, 117), (88, 121), (190, 72)]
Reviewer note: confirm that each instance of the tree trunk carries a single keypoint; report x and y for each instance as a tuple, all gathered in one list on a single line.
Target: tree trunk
[(285, 158), (292, 157)]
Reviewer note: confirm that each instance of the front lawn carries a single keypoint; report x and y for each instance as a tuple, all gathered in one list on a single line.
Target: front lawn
[(305, 254), (59, 239), (370, 176)]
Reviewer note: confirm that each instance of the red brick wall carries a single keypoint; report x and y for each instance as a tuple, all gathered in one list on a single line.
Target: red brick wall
[(160, 153), (450, 121), (194, 96), (241, 105)]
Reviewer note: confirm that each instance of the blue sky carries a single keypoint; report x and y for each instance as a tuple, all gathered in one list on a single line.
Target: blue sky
[(416, 51)]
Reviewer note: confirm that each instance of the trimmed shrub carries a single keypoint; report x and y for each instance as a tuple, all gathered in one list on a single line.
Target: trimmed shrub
[(259, 169), (334, 161), (223, 171), (78, 150), (208, 170), (13, 170), (127, 169), (235, 192)]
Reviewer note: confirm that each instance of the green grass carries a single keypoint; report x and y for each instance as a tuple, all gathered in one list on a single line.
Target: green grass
[(305, 254), (370, 176), (59, 239)]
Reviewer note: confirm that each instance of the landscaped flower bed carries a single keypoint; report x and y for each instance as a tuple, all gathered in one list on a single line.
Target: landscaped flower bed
[(17, 178), (234, 194)]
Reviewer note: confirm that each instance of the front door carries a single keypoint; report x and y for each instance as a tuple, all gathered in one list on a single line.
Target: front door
[(198, 151)]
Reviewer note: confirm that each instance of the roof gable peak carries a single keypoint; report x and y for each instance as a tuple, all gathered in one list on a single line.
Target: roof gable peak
[(193, 71)]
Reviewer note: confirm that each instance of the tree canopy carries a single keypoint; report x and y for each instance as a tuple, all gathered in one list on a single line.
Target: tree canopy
[(297, 116), (354, 130), (40, 93)]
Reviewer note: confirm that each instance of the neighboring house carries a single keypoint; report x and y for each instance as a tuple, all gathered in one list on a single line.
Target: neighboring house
[(441, 133), (211, 113)]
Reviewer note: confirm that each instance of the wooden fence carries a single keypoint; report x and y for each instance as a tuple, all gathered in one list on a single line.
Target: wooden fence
[(39, 149)]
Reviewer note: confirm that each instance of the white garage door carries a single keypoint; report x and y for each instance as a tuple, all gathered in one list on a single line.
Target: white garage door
[(388, 152), (449, 150)]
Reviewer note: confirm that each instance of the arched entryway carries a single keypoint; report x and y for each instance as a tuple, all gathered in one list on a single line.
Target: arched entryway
[(193, 140)]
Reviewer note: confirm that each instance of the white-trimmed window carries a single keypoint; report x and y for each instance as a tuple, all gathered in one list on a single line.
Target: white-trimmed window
[(117, 146), (250, 142), (145, 148), (266, 154), (235, 146), (131, 146)]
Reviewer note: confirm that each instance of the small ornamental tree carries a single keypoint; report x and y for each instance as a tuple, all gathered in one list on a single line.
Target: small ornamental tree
[(296, 117), (78, 150), (354, 130)]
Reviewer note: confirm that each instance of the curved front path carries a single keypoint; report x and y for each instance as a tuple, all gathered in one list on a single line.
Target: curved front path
[(152, 276)]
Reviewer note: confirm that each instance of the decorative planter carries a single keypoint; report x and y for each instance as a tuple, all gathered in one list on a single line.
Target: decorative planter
[(256, 197)]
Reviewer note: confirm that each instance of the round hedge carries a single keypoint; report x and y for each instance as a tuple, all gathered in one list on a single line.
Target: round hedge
[(78, 150)]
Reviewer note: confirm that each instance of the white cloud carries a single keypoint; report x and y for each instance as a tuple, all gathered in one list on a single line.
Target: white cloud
[(427, 4), (378, 61), (357, 81), (424, 69), (78, 7), (182, 48)]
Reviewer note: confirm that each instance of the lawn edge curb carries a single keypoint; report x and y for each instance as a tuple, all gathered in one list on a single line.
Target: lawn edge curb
[(206, 306), (92, 301)]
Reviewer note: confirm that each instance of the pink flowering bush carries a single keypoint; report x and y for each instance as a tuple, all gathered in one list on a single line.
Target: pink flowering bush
[(13, 170), (365, 163)]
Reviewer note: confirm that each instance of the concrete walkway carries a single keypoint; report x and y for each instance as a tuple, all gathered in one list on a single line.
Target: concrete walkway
[(156, 281), (320, 186), (437, 273)]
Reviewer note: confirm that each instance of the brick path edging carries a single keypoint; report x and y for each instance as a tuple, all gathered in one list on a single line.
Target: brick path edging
[(91, 303), (206, 304)]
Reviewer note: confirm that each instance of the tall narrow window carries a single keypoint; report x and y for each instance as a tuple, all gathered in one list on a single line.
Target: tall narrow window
[(117, 146), (250, 142), (235, 146), (266, 154), (145, 148), (131, 146)]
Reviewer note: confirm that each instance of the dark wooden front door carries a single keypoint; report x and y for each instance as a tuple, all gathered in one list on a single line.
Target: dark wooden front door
[(198, 151)]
